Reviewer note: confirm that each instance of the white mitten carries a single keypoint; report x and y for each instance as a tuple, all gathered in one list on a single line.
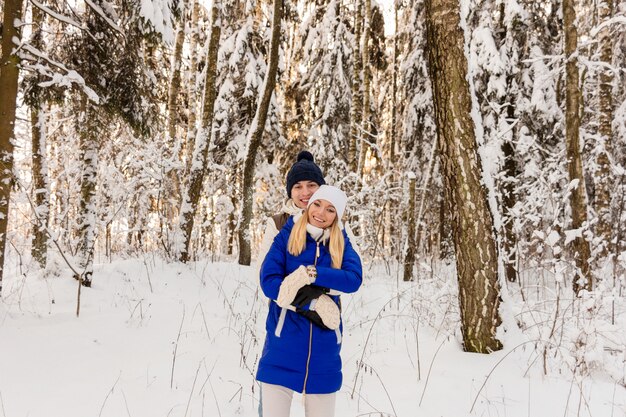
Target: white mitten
[(290, 286), (328, 311)]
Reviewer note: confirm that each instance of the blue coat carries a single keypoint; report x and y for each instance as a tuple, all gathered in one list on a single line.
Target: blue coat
[(290, 346)]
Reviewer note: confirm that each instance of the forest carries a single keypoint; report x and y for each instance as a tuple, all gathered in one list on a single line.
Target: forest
[(484, 138)]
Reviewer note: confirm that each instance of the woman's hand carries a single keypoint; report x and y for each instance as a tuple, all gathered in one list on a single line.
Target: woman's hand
[(290, 286), (307, 294)]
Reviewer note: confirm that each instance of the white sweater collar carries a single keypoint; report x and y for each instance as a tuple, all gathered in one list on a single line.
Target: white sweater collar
[(317, 233)]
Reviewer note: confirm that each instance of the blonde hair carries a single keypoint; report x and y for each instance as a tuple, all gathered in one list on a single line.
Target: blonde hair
[(297, 239)]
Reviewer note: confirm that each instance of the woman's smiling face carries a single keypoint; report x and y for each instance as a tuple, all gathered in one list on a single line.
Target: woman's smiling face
[(322, 214)]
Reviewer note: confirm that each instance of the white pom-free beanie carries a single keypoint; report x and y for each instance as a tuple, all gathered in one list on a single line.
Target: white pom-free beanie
[(332, 194)]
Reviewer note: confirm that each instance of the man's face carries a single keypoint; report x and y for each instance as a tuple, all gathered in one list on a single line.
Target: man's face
[(302, 191)]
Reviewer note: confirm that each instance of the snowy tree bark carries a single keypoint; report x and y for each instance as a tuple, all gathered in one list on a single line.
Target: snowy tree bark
[(201, 148), (366, 127), (508, 202), (578, 199), (394, 89), (41, 189), (255, 137), (410, 245), (89, 134), (466, 198), (509, 198), (357, 99), (603, 175), (191, 82), (9, 74), (172, 188)]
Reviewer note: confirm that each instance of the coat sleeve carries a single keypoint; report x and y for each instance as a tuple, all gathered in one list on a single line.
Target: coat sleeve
[(347, 279), (274, 266), (266, 243)]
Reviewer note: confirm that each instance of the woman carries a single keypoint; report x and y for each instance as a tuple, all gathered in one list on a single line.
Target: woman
[(303, 179), (309, 257)]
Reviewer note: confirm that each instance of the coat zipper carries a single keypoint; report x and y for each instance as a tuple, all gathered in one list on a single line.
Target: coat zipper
[(308, 359)]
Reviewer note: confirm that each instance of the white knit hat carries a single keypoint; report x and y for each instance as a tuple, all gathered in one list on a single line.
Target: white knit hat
[(334, 195)]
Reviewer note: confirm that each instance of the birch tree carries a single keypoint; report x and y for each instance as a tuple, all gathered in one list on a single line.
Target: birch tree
[(466, 199)]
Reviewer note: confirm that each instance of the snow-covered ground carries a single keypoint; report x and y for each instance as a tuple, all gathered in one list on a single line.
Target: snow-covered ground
[(159, 339)]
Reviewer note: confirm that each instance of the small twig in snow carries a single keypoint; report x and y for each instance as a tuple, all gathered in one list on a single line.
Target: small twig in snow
[(369, 333), (126, 404), (430, 368), (386, 391), (2, 405), (148, 274), (176, 348), (206, 327), (109, 394), (192, 388), (217, 404), (493, 369)]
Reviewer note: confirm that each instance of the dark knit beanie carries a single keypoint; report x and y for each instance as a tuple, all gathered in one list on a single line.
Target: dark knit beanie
[(304, 169)]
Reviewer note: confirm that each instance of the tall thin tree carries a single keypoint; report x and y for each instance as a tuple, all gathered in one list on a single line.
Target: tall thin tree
[(9, 74), (466, 198), (198, 166), (603, 175), (578, 197), (255, 137), (366, 136), (172, 188), (38, 117), (410, 244), (357, 96)]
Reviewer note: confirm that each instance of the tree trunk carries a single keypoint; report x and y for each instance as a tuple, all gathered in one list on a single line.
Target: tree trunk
[(603, 175), (171, 199), (394, 90), (509, 242), (201, 148), (89, 134), (191, 83), (255, 136), (410, 246), (41, 189), (509, 197), (366, 127), (578, 199), (356, 109), (466, 198), (9, 74)]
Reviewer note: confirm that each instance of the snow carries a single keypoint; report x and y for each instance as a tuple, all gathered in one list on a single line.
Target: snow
[(58, 16), (158, 13), (571, 235), (158, 339)]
